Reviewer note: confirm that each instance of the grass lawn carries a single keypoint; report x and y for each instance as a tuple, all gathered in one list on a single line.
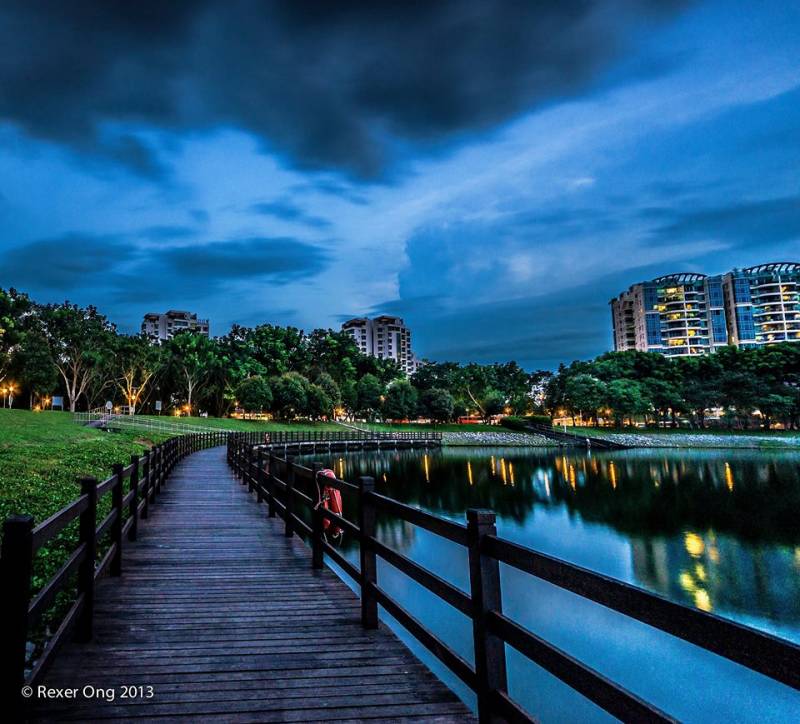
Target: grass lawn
[(232, 423)]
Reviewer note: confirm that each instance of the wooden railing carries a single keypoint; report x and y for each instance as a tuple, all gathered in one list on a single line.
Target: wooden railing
[(308, 436), (287, 486), (133, 489)]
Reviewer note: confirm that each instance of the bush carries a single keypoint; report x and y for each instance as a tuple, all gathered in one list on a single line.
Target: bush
[(520, 424)]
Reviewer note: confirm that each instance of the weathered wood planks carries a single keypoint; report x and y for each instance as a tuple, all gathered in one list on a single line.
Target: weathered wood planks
[(224, 618)]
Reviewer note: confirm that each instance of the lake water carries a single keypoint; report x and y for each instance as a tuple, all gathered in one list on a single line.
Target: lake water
[(719, 530)]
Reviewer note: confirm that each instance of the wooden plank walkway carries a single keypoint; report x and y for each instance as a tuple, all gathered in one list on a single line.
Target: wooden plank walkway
[(225, 619)]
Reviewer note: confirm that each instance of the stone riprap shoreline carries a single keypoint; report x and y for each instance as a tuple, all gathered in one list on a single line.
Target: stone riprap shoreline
[(704, 440), (499, 438)]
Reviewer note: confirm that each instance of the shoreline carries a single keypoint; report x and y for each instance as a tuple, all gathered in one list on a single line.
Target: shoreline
[(636, 441)]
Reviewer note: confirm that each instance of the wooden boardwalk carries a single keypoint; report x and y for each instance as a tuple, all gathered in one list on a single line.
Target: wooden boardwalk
[(225, 619)]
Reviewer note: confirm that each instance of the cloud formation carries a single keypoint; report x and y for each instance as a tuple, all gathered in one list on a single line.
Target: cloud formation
[(326, 84)]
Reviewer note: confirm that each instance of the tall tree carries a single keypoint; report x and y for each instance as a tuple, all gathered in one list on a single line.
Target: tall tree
[(137, 363), (37, 370), (400, 402), (193, 356), (79, 340)]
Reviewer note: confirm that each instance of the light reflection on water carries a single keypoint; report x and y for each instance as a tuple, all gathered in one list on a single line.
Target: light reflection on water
[(716, 530)]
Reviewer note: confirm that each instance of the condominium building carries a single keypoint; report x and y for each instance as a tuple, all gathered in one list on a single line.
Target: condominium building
[(679, 315), (689, 314), (385, 337), (763, 304), (164, 326)]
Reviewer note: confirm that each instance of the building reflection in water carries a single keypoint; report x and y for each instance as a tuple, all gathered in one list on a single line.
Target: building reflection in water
[(713, 529)]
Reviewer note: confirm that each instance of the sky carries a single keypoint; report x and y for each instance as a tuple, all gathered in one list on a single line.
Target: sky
[(493, 172)]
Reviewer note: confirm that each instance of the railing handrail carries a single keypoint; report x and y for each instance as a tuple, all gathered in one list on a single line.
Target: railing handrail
[(256, 463), (146, 474)]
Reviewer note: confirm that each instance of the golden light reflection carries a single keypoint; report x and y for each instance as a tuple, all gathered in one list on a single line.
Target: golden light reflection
[(694, 545), (384, 478), (547, 491), (469, 472), (713, 553), (700, 572), (612, 474), (702, 600), (341, 468), (494, 468), (728, 477), (687, 582), (425, 464), (572, 476), (511, 472), (503, 470)]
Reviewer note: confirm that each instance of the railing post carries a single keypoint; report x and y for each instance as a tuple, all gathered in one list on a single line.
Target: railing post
[(288, 530), (88, 537), (133, 510), (271, 487), (260, 475), (116, 528), (17, 564), (317, 521), (249, 469), (484, 579), (147, 478), (369, 571)]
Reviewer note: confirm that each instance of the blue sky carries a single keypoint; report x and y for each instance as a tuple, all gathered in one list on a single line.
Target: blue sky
[(493, 172)]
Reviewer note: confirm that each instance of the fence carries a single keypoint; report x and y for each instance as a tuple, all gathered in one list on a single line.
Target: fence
[(132, 489), (287, 487), (102, 418)]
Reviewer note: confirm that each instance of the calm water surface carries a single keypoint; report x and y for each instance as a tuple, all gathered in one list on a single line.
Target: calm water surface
[(719, 530)]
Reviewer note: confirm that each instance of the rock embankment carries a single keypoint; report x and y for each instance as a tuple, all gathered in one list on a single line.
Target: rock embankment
[(499, 438), (703, 440)]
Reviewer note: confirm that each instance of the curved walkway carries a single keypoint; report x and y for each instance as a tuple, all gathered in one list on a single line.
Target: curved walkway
[(223, 617)]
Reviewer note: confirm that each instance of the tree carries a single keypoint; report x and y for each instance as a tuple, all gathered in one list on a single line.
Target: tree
[(290, 395), (37, 370), (492, 403), (137, 363), (438, 404), (193, 356), (254, 394), (369, 392), (14, 307), (583, 393), (328, 384), (400, 402), (80, 341), (319, 402), (626, 397)]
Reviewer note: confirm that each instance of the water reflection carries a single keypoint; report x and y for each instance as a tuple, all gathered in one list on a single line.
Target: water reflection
[(716, 530)]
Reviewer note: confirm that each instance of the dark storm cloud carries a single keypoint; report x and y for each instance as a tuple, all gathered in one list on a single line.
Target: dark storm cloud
[(280, 260), (287, 211), (64, 263), (327, 84), (741, 224)]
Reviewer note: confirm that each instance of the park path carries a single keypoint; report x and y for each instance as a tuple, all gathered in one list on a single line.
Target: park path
[(224, 618)]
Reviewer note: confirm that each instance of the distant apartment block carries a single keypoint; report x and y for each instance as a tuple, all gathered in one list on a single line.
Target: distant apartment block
[(763, 304), (164, 326), (687, 314), (385, 337)]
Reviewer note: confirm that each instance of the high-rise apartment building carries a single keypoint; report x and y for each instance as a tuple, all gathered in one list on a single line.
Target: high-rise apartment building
[(164, 326), (679, 315), (385, 337), (763, 304), (688, 314)]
